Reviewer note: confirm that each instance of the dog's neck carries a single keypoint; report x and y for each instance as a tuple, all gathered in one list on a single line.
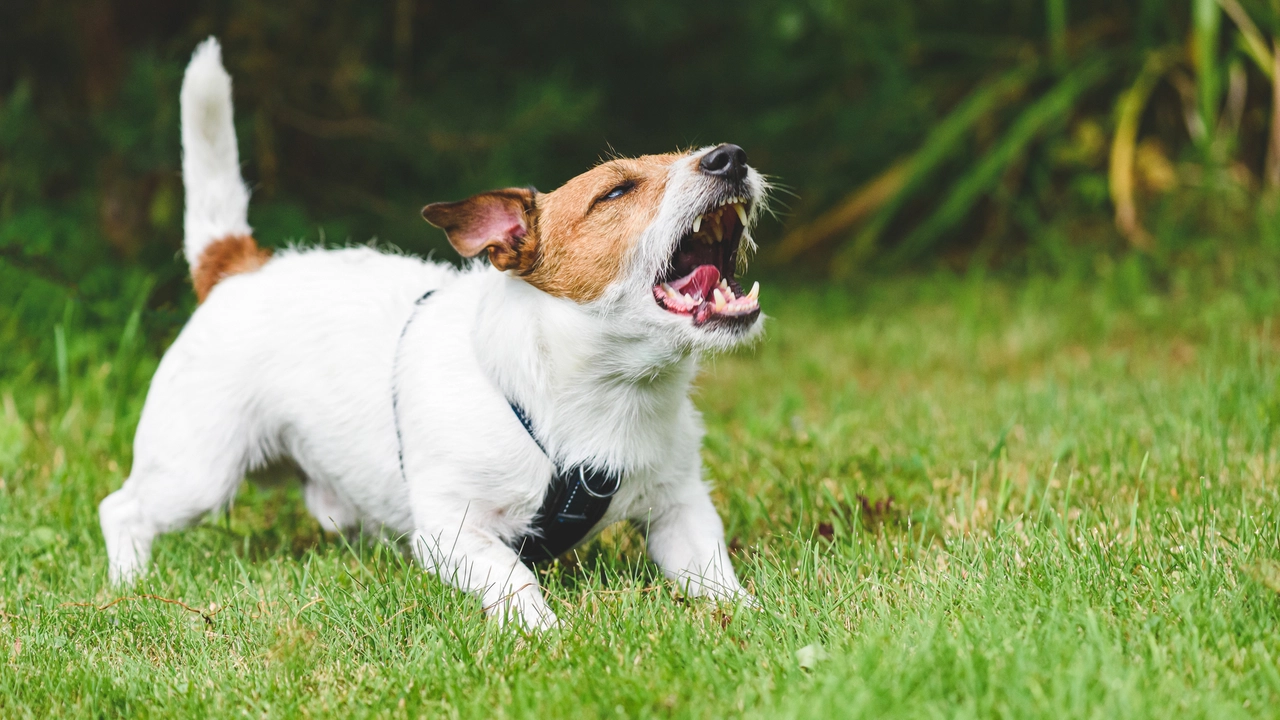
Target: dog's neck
[(586, 380)]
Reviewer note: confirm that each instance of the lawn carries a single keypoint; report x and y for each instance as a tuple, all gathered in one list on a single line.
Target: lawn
[(954, 496)]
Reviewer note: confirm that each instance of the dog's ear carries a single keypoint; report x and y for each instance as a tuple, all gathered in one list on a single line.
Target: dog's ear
[(499, 221)]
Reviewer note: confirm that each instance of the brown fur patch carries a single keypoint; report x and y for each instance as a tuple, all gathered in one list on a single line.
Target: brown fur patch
[(583, 239), (228, 256)]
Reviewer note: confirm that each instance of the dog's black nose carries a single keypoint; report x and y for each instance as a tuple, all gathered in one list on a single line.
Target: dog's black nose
[(727, 161)]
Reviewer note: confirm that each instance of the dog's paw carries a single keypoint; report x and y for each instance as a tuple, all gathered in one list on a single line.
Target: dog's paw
[(525, 611), (530, 623), (122, 576), (545, 622)]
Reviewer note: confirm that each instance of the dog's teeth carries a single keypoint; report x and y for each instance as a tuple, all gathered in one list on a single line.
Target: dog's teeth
[(755, 291), (678, 296), (720, 303), (718, 231), (727, 291), (742, 213), (697, 223)]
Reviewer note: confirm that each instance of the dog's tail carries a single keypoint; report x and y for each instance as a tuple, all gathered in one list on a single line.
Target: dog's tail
[(218, 240)]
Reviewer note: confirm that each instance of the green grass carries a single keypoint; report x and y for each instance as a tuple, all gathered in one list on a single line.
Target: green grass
[(1068, 510)]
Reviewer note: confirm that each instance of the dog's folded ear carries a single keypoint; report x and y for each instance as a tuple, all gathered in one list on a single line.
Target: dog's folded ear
[(499, 221)]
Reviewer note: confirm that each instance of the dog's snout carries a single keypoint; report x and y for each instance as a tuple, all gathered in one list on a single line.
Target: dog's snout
[(726, 161)]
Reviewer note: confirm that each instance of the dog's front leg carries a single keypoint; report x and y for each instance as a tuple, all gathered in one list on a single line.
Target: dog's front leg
[(472, 559), (686, 539)]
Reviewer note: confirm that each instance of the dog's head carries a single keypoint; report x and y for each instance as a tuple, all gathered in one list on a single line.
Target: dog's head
[(655, 241)]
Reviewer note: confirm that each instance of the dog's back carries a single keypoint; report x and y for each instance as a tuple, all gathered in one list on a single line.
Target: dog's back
[(282, 348)]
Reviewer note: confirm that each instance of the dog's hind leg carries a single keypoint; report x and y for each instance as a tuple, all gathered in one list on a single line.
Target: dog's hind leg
[(190, 454), (333, 513)]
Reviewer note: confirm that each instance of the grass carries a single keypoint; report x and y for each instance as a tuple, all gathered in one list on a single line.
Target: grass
[(954, 497)]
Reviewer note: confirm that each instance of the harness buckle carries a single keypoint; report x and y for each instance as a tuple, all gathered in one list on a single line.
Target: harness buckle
[(612, 482)]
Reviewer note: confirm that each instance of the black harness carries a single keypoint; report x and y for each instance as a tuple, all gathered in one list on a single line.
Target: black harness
[(575, 501)]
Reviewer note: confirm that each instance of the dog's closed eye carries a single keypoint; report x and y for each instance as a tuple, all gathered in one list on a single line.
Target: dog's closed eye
[(616, 192)]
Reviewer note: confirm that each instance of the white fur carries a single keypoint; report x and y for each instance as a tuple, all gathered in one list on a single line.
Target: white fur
[(217, 199), (302, 357)]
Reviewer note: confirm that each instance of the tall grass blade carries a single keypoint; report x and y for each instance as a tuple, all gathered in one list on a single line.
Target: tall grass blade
[(1052, 106), (1206, 18), (1234, 105), (60, 351), (1055, 12), (945, 141), (1128, 118), (1251, 39), (857, 206), (123, 365), (1273, 137)]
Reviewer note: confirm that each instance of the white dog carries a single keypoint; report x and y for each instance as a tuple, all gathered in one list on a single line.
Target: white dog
[(495, 416)]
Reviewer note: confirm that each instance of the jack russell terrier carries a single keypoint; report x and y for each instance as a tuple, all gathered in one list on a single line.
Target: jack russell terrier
[(494, 416)]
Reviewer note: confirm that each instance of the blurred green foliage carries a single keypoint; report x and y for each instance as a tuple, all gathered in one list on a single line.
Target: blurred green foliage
[(995, 115)]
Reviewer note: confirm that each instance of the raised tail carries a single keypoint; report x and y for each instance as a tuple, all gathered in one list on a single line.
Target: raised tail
[(218, 240)]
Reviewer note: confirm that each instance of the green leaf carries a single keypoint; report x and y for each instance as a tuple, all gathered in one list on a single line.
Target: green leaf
[(1052, 106)]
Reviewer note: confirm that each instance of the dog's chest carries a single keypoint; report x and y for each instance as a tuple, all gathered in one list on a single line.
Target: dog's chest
[(619, 431)]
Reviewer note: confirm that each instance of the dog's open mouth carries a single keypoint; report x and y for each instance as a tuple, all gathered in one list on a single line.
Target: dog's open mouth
[(699, 280)]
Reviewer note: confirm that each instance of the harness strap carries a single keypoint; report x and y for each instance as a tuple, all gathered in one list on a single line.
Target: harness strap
[(576, 499), (395, 383)]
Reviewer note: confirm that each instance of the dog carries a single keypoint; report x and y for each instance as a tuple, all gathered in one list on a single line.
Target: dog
[(475, 412)]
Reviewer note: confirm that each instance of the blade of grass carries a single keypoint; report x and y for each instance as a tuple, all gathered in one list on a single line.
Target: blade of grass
[(1273, 140), (1120, 169), (1050, 107), (1055, 12), (854, 208), (1250, 38), (1206, 19), (945, 141), (60, 351), (123, 365), (1233, 108)]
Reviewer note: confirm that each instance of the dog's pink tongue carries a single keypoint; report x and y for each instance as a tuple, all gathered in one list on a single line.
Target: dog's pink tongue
[(700, 282)]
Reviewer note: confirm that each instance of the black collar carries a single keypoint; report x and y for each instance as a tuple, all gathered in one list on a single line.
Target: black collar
[(576, 499)]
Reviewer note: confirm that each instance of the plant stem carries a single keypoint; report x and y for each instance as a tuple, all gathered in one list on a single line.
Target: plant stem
[(1206, 21), (1273, 144), (1055, 12)]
